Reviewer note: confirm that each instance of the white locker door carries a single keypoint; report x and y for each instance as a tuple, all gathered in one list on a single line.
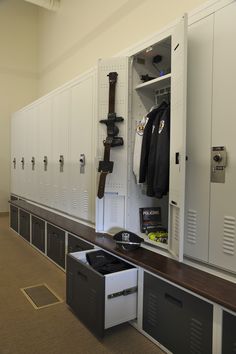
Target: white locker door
[(178, 138), (82, 181), (21, 137), (31, 130), (60, 156), (111, 209), (200, 54), (44, 159), (223, 195), (14, 162)]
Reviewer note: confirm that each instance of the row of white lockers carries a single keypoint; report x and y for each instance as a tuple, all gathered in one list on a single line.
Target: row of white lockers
[(57, 128)]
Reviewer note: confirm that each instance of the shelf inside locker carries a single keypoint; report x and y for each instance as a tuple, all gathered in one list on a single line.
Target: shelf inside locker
[(155, 84)]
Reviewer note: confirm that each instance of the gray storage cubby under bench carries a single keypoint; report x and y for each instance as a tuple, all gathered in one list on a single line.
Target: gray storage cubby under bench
[(177, 301)]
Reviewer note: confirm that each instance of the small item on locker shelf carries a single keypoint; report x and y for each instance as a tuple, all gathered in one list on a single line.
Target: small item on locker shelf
[(127, 240), (160, 235), (146, 78), (150, 218), (157, 59)]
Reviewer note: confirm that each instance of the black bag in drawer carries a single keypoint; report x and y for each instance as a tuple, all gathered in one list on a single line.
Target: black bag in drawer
[(105, 263)]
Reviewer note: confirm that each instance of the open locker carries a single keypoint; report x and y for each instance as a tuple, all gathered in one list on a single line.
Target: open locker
[(149, 76)]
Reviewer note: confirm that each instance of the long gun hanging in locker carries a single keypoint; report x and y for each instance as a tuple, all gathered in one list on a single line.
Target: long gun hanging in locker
[(112, 140)]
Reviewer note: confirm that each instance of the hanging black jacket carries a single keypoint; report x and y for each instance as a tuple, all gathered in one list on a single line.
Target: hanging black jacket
[(154, 166)]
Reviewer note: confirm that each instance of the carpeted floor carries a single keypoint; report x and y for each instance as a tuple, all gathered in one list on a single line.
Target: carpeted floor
[(55, 329)]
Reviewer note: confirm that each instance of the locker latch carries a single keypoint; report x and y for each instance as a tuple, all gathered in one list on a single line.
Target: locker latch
[(22, 163), (123, 292), (33, 162), (61, 162), (218, 164), (14, 163), (45, 161), (82, 162)]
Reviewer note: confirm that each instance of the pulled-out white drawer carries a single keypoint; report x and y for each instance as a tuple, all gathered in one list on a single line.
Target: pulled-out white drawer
[(102, 296)]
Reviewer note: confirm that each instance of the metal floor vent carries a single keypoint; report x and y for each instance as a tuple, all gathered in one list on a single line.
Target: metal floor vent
[(41, 296)]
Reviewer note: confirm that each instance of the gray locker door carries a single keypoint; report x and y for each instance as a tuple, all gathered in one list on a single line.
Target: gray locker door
[(200, 52), (38, 233), (24, 229), (14, 218), (56, 245), (85, 294), (178, 320), (229, 333), (223, 197)]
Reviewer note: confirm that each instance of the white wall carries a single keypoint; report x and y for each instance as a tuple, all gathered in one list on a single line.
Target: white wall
[(18, 74), (82, 31)]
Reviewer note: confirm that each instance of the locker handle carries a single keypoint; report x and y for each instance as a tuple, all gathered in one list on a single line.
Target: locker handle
[(173, 300), (177, 158), (82, 275)]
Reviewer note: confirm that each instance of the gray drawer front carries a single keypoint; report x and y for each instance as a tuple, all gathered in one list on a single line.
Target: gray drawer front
[(56, 245), (76, 245), (25, 225), (85, 294), (176, 319), (14, 218), (38, 233), (229, 333)]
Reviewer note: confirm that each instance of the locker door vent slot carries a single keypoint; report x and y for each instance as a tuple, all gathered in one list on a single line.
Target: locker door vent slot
[(229, 235), (85, 204), (152, 310), (191, 226), (196, 337), (176, 225)]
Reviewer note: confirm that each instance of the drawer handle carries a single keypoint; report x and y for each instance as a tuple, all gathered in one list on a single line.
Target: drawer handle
[(123, 292), (82, 275), (173, 300)]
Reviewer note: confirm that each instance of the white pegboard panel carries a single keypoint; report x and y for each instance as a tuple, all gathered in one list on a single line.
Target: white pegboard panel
[(117, 181), (114, 210)]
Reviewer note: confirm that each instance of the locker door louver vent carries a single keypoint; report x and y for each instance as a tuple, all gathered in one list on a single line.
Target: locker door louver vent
[(229, 235), (196, 337), (191, 226), (84, 204), (74, 198), (152, 310), (176, 224)]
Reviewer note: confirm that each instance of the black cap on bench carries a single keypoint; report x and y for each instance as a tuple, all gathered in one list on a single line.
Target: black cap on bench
[(127, 240)]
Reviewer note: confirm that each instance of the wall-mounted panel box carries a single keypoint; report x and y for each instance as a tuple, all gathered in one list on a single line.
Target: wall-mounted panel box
[(101, 298)]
